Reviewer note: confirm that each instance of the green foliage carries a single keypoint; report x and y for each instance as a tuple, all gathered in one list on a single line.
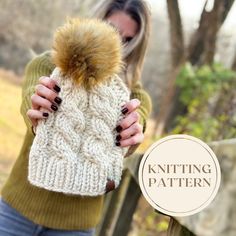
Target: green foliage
[(162, 226), (207, 93)]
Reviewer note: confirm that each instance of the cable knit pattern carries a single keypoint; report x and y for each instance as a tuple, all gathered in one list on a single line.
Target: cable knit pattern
[(74, 149)]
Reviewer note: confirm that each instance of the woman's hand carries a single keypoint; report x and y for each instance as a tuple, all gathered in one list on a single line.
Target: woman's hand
[(129, 129), (45, 96)]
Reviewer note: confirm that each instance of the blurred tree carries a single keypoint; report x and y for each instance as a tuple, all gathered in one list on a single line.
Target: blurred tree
[(177, 58), (176, 33), (27, 26), (202, 44), (234, 63), (200, 51)]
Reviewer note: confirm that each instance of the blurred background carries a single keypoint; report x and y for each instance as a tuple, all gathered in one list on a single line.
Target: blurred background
[(189, 72)]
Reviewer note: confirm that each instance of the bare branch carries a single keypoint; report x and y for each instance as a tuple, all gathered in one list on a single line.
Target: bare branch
[(204, 39)]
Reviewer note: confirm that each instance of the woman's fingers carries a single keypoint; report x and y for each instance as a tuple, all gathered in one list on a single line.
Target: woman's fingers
[(130, 106), (34, 115), (127, 121), (47, 93), (38, 101), (137, 138), (127, 133), (130, 132), (50, 83), (46, 97)]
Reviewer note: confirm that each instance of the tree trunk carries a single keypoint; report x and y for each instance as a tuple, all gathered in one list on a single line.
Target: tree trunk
[(234, 63), (177, 53), (202, 47), (176, 33), (214, 21), (201, 50)]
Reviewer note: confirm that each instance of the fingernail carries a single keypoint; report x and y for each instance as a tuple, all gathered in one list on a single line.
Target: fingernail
[(118, 128), (117, 143), (54, 107), (124, 110), (118, 137), (58, 100), (45, 114), (57, 88)]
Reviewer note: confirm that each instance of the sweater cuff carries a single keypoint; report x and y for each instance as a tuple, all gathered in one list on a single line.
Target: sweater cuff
[(33, 130), (143, 110), (145, 107), (142, 119), (143, 122), (23, 110)]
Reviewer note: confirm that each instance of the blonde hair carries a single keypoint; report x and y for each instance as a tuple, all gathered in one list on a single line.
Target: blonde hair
[(135, 49)]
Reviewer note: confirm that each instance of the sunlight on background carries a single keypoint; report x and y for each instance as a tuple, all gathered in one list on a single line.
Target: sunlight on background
[(192, 9)]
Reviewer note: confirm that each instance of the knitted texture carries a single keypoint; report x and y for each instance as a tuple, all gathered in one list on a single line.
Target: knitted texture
[(49, 208), (74, 149)]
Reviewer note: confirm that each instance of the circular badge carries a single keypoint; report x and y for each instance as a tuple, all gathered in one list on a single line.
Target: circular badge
[(179, 175)]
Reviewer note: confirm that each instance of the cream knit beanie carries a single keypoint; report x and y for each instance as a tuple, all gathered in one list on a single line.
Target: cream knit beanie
[(74, 149)]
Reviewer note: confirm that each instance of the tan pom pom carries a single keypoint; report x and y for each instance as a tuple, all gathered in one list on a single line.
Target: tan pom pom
[(88, 50)]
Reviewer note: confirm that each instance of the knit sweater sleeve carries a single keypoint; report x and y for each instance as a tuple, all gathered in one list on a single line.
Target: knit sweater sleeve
[(144, 109), (37, 67)]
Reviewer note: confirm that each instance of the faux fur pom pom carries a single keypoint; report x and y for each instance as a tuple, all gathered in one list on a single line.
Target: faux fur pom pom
[(87, 50)]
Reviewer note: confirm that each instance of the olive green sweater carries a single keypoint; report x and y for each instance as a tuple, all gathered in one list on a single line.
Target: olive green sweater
[(47, 208)]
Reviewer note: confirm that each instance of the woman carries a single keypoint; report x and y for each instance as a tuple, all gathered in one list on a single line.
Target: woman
[(28, 210)]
